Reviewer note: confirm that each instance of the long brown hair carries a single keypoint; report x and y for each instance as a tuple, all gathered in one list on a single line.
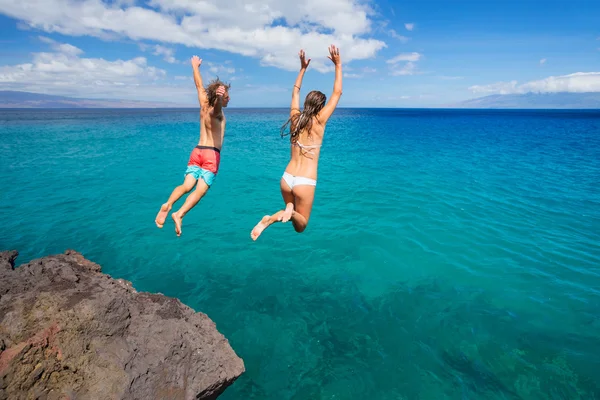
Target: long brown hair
[(313, 103), (211, 90)]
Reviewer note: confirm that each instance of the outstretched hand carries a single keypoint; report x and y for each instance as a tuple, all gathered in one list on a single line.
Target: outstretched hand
[(303, 62), (334, 54), (196, 61)]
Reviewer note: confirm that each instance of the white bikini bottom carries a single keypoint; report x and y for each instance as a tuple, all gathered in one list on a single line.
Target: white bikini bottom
[(292, 180)]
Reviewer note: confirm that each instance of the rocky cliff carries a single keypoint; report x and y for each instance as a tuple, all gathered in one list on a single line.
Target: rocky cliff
[(68, 331)]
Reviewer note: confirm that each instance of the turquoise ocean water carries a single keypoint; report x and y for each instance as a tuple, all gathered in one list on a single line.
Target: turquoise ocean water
[(450, 254)]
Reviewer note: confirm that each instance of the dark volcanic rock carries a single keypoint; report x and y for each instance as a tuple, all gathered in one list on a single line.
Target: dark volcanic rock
[(68, 331)]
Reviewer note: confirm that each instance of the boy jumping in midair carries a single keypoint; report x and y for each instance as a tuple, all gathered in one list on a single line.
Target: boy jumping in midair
[(206, 156)]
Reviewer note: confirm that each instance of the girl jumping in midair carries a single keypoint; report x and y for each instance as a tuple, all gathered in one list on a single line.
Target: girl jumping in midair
[(307, 128)]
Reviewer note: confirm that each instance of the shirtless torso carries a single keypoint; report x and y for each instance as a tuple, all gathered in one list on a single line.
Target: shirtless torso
[(205, 158), (212, 127)]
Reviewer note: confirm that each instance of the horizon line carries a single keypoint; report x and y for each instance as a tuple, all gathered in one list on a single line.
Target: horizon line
[(287, 107)]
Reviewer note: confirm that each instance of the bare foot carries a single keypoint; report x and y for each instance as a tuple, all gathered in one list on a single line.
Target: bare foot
[(260, 227), (162, 215), (287, 214), (177, 219)]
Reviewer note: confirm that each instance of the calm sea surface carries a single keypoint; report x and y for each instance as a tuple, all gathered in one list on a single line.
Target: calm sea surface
[(451, 254)]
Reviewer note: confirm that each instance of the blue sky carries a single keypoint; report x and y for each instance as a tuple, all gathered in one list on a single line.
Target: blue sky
[(395, 53)]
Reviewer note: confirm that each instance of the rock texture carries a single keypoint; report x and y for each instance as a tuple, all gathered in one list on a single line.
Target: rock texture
[(68, 331)]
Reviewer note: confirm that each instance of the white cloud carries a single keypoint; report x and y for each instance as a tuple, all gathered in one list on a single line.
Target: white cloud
[(63, 71), (247, 28), (219, 69), (408, 68), (405, 57), (499, 87), (395, 35), (579, 82), (543, 61), (166, 52), (361, 73), (47, 40), (61, 47), (409, 26)]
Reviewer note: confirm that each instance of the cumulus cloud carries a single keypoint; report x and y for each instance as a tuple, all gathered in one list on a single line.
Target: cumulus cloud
[(404, 64), (63, 71), (270, 30), (167, 53), (409, 26), (579, 82)]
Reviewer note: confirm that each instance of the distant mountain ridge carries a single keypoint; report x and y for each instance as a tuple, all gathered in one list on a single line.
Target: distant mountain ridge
[(561, 100), (16, 99), (588, 100)]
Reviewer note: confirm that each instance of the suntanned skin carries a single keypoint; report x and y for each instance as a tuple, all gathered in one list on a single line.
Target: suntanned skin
[(212, 134), (299, 200)]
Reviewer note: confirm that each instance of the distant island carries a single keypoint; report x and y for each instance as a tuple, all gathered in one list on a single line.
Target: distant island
[(562, 100), (15, 99)]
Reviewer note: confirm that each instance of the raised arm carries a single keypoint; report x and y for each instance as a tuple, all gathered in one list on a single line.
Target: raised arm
[(202, 96), (325, 113), (295, 107), (218, 108)]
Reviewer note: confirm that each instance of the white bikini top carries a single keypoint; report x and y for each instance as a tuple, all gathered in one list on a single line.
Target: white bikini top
[(308, 146)]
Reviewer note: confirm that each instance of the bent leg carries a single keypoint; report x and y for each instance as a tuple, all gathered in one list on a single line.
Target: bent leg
[(264, 223), (288, 198), (305, 195), (190, 202), (188, 184)]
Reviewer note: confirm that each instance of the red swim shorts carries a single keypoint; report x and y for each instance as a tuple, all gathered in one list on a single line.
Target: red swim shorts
[(205, 157)]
